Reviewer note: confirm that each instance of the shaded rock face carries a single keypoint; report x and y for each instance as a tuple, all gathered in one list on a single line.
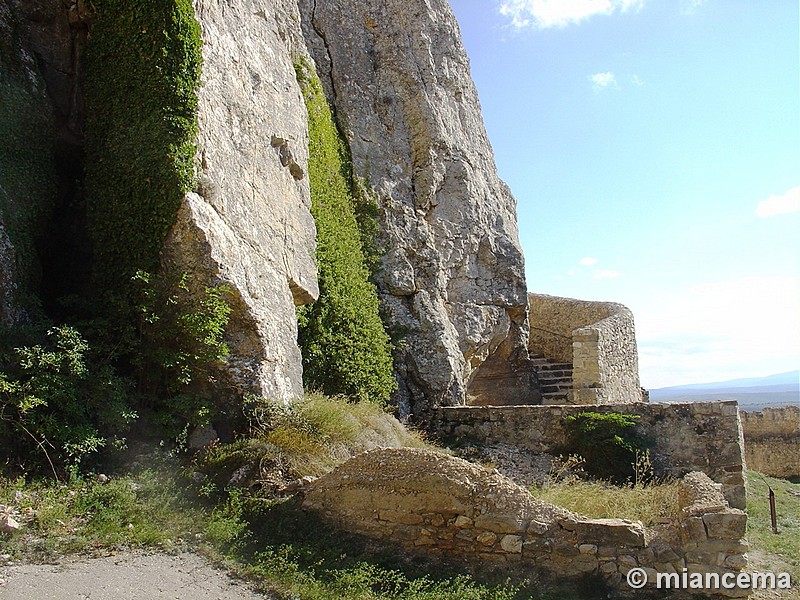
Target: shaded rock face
[(452, 279), (249, 224)]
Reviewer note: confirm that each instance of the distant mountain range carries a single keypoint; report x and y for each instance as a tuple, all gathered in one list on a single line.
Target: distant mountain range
[(753, 393)]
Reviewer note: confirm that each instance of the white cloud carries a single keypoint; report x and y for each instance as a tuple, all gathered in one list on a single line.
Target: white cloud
[(637, 81), (787, 202), (601, 81), (588, 261), (543, 14)]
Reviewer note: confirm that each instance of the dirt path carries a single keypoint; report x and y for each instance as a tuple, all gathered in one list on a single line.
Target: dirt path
[(124, 577)]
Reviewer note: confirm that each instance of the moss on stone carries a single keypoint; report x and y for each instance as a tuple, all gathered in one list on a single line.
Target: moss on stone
[(143, 72), (345, 347)]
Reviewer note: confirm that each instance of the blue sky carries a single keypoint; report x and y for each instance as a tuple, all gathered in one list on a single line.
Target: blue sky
[(653, 147)]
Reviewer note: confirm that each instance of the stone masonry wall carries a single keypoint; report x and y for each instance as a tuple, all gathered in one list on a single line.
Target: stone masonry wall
[(598, 338), (699, 436), (432, 504), (772, 441)]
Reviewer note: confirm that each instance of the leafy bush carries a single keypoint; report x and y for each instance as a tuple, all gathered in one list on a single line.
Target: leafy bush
[(57, 405), (142, 75), (608, 443), (345, 347), (181, 344)]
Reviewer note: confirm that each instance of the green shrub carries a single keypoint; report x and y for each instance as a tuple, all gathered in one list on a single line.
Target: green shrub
[(56, 407), (608, 443), (143, 63), (181, 343), (345, 347)]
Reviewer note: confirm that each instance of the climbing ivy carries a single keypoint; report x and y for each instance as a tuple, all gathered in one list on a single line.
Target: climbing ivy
[(27, 169), (345, 347), (143, 71)]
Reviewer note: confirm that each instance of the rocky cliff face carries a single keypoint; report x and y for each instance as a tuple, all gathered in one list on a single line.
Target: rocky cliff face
[(452, 277), (249, 225), (451, 280)]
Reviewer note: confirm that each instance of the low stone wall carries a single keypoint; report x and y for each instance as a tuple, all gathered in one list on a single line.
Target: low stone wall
[(695, 436), (772, 441), (597, 338), (447, 508)]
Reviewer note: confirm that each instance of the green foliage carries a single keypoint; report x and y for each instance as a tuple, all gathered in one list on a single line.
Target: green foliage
[(608, 443), (27, 176), (181, 343), (345, 347), (56, 405), (143, 70)]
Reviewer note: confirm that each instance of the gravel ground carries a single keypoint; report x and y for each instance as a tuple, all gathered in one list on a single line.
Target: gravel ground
[(124, 577)]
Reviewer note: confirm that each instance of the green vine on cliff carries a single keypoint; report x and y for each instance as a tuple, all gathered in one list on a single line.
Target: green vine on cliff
[(345, 347), (143, 72)]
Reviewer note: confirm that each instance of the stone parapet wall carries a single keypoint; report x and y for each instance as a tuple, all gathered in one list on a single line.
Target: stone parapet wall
[(446, 508), (772, 441), (597, 338), (696, 436)]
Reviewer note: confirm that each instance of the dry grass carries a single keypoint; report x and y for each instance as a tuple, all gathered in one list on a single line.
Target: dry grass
[(646, 503)]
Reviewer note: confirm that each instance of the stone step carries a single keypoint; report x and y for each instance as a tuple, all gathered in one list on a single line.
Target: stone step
[(555, 379)]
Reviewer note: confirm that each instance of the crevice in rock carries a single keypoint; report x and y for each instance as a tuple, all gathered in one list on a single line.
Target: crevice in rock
[(329, 75)]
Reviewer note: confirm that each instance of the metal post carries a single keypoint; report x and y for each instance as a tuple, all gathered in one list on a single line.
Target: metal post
[(773, 515)]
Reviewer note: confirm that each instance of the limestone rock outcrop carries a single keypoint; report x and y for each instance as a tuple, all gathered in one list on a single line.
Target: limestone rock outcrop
[(452, 280), (249, 225)]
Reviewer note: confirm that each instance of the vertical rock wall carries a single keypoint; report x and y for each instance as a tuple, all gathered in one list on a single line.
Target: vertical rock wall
[(452, 279), (249, 224)]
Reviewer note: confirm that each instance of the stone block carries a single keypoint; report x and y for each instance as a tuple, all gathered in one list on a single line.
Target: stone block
[(499, 524), (512, 544), (608, 567), (403, 518), (583, 563), (693, 529), (587, 549), (618, 532), (736, 561), (537, 528), (487, 538), (436, 520), (730, 525), (462, 521)]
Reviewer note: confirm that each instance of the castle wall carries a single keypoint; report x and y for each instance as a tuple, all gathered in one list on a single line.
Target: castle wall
[(697, 436), (598, 338), (434, 505), (772, 441)]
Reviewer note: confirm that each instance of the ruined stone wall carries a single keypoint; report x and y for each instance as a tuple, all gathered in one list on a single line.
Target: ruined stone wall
[(598, 338), (700, 436), (447, 508), (772, 441)]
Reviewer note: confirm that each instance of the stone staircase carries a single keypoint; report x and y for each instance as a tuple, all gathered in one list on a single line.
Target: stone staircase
[(555, 379)]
